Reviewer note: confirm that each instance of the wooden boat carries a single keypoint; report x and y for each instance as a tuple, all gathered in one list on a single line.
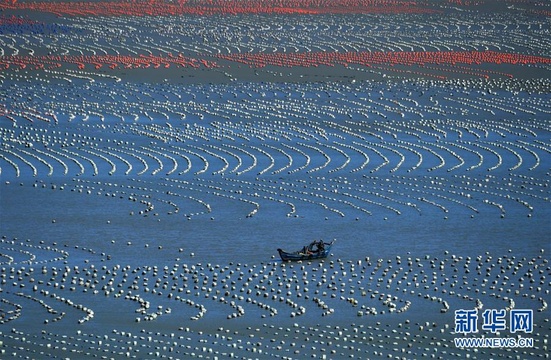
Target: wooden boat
[(315, 250)]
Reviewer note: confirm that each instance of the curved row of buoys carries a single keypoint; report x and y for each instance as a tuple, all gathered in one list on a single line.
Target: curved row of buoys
[(321, 196), (25, 150)]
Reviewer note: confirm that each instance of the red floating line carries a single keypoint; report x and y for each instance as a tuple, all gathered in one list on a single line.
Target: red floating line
[(387, 58), (455, 61), (14, 20)]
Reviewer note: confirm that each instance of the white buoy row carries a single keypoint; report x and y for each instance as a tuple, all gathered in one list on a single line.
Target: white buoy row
[(371, 195), (18, 253)]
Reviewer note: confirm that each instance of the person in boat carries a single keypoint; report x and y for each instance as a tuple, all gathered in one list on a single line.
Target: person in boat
[(321, 246), (315, 247), (309, 250)]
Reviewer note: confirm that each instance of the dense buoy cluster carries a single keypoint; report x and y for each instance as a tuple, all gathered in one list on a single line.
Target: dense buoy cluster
[(321, 134), (199, 308)]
